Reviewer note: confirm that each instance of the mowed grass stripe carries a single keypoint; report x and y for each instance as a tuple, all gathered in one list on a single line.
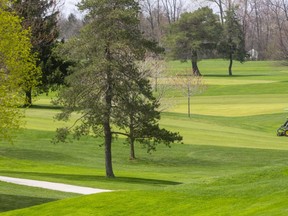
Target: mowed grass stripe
[(231, 161)]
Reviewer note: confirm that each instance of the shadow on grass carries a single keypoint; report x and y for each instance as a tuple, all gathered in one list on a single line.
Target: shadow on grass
[(42, 106), (12, 202), (87, 178), (34, 154), (234, 76)]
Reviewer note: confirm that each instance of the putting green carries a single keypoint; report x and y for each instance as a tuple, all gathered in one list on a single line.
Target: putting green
[(234, 81), (233, 105)]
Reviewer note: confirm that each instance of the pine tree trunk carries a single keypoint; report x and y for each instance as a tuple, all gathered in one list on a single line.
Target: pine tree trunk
[(194, 60), (131, 137), (108, 152), (107, 116), (108, 135), (132, 149)]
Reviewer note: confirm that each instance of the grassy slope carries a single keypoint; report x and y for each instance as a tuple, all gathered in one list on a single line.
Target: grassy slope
[(231, 163)]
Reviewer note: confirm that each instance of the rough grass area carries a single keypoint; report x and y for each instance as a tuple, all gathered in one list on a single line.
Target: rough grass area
[(231, 162)]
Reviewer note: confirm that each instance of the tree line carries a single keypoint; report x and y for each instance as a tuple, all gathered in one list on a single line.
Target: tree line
[(264, 23)]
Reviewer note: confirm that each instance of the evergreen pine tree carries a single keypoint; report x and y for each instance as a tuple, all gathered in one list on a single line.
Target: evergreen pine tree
[(105, 75)]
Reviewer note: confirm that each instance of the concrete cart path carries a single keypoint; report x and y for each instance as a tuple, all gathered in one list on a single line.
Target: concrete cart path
[(53, 186)]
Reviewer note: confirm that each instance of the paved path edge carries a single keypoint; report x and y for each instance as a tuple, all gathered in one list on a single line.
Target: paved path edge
[(53, 186)]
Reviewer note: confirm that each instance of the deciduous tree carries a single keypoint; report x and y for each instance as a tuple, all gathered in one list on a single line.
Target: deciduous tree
[(190, 85), (17, 68), (41, 18)]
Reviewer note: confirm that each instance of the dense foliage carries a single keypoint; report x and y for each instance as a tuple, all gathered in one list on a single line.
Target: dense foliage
[(194, 33), (41, 18), (232, 43), (17, 69)]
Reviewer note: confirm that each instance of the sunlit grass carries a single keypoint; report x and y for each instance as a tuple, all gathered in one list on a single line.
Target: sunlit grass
[(233, 105), (231, 162)]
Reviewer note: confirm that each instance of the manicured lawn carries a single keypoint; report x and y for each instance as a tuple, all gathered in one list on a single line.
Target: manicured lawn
[(231, 162), (15, 196)]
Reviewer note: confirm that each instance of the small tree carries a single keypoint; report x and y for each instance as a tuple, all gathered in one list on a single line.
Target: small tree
[(192, 34), (190, 85), (17, 67), (138, 117), (232, 45), (152, 68)]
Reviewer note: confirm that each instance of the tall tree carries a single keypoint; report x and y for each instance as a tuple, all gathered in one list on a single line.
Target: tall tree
[(232, 45), (105, 52), (41, 17), (17, 67), (194, 33)]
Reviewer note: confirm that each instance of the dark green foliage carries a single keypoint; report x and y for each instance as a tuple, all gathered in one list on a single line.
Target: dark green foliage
[(41, 18), (193, 34), (232, 45), (156, 135), (54, 70), (138, 117)]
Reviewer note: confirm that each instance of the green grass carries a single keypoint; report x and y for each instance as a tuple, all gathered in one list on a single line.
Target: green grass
[(231, 162), (16, 197)]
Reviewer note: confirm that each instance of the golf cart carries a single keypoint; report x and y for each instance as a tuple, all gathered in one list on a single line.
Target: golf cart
[(283, 130)]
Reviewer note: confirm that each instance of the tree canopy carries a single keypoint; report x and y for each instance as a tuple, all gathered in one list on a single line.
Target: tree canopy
[(17, 69), (40, 17), (232, 43), (194, 33)]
